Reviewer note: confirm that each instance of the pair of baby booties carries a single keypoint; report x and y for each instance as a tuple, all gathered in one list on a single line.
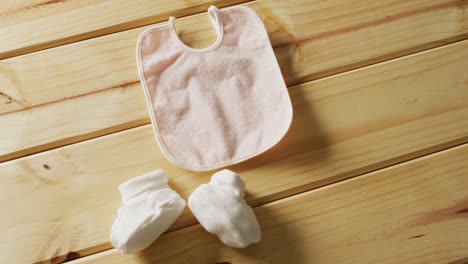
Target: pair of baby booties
[(150, 207)]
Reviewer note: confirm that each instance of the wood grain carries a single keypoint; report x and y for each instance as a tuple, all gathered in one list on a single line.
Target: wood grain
[(312, 38), (32, 25), (345, 125), (414, 212)]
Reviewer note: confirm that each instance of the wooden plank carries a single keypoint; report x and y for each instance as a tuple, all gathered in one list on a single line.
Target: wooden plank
[(415, 212), (32, 25), (313, 39), (343, 126)]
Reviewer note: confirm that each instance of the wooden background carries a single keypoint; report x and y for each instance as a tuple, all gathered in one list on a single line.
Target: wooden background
[(373, 170)]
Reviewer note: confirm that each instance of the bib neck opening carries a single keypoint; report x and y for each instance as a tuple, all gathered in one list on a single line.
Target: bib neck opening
[(215, 17)]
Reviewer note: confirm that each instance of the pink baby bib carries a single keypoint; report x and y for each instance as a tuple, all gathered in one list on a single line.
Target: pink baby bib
[(216, 106)]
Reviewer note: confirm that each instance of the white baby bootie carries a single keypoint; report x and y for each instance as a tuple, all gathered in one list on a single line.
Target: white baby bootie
[(220, 208), (149, 208)]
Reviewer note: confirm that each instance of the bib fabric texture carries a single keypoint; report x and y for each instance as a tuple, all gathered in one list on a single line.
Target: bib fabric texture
[(216, 106)]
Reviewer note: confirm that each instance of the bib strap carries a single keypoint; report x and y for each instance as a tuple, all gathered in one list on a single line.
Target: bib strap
[(215, 17), (171, 22)]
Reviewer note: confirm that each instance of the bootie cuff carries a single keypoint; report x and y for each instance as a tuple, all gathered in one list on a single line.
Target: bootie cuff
[(147, 182)]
